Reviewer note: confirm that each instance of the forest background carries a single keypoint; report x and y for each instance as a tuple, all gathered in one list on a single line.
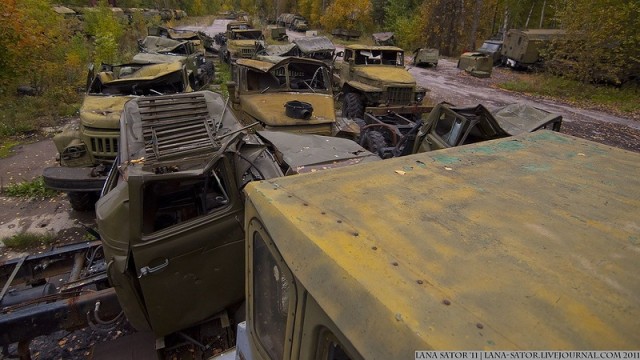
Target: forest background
[(49, 53)]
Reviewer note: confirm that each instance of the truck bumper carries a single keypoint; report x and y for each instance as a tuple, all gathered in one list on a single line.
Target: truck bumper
[(69, 179)]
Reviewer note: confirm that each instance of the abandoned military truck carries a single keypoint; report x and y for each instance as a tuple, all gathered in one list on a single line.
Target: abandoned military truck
[(373, 78), (523, 243), (170, 215), (87, 149), (287, 94)]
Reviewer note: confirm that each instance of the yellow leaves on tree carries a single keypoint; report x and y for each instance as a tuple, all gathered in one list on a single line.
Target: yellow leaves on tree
[(29, 30), (348, 14)]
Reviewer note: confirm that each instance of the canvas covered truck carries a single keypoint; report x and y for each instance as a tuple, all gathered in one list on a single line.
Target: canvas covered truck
[(87, 149), (374, 79), (522, 48), (289, 94), (523, 243)]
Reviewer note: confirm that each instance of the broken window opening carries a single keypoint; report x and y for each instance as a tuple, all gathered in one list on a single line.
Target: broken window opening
[(170, 202)]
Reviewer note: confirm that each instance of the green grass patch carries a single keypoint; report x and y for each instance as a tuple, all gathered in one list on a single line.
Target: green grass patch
[(223, 76), (28, 240), (6, 146), (625, 99), (25, 114), (30, 189)]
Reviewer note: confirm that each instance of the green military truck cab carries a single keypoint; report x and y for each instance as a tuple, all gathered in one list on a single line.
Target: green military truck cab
[(87, 149), (171, 212), (524, 243), (373, 77), (289, 94)]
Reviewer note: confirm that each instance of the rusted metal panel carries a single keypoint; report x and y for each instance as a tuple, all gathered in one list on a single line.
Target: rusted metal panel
[(25, 323)]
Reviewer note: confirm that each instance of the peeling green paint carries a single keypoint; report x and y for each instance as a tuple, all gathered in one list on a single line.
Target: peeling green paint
[(446, 159)]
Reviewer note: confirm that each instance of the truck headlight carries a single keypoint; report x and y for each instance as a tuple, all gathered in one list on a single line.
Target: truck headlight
[(75, 150), (420, 96)]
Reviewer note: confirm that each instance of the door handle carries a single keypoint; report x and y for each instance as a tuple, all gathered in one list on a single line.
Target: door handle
[(144, 271)]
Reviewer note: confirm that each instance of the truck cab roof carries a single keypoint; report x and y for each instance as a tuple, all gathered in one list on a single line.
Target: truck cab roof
[(528, 242)]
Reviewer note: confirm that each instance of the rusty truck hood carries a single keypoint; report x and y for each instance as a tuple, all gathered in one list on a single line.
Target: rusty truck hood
[(269, 108), (101, 111), (383, 73)]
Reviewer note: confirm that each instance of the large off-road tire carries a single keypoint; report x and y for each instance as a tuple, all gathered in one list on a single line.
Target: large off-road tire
[(83, 200), (206, 73), (375, 142), (352, 106)]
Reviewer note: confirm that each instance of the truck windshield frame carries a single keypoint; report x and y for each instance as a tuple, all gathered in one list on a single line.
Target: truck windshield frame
[(274, 295)]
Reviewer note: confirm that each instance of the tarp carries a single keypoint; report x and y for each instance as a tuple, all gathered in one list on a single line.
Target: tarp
[(520, 118), (314, 44)]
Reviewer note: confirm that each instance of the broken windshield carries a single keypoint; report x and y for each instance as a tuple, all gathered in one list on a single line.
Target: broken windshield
[(381, 57), (302, 77), (125, 82)]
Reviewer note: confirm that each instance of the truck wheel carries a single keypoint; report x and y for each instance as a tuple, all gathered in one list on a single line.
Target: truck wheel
[(375, 142), (206, 72), (352, 107), (82, 200)]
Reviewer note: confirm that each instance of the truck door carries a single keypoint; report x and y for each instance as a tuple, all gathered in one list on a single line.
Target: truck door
[(190, 259)]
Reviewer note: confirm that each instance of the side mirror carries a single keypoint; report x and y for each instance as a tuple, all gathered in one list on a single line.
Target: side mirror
[(340, 54), (231, 87)]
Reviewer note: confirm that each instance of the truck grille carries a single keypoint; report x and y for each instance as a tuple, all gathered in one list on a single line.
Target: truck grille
[(246, 53), (399, 95), (103, 145)]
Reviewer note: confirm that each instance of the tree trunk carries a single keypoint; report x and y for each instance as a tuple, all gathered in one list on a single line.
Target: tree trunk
[(544, 4), (505, 24), (474, 25), (526, 25)]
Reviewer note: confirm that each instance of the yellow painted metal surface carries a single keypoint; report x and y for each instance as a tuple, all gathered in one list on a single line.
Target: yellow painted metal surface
[(255, 64), (528, 242), (387, 74), (96, 110), (152, 71), (269, 108)]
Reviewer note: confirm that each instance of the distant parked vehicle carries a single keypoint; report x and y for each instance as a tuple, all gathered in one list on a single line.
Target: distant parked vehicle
[(521, 48), (426, 57), (493, 49)]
